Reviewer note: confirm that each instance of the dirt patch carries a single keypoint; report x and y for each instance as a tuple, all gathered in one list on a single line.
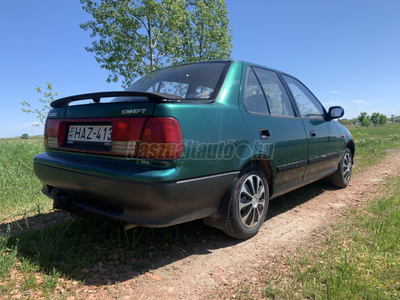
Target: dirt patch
[(291, 221)]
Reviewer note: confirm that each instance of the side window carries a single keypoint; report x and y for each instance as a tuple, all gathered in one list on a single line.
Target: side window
[(309, 106), (277, 98), (254, 100)]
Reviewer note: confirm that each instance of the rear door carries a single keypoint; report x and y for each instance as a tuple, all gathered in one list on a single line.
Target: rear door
[(324, 142), (278, 134)]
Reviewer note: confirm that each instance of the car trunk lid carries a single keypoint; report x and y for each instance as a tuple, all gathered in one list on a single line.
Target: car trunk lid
[(113, 128)]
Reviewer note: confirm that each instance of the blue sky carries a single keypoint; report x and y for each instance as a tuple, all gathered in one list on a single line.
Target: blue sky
[(345, 51)]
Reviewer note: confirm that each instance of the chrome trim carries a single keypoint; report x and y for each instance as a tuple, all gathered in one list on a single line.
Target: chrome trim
[(207, 177)]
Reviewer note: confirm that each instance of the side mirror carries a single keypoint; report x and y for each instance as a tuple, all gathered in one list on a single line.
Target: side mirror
[(335, 112)]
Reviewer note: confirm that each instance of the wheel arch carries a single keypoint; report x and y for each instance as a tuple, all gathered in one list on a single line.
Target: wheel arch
[(266, 166), (352, 148), (220, 220)]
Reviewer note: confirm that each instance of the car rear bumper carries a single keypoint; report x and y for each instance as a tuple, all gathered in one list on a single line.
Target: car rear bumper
[(114, 190)]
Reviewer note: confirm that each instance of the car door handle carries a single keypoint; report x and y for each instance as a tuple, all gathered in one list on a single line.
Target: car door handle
[(313, 134), (264, 133)]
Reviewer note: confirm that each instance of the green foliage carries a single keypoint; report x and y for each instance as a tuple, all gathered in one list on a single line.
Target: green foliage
[(205, 34), (135, 37), (348, 122), (25, 136), (41, 113), (366, 122), (375, 118), (362, 116), (345, 122), (378, 119), (382, 119)]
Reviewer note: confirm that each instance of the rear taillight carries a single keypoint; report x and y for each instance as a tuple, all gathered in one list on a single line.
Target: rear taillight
[(140, 137), (161, 139), (126, 136), (51, 133)]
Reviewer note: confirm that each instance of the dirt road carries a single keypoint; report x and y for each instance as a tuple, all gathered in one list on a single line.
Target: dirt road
[(291, 221)]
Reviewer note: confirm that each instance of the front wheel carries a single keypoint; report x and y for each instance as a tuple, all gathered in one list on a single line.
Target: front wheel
[(342, 175), (248, 204)]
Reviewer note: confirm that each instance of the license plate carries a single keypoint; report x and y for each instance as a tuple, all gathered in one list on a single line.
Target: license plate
[(89, 133)]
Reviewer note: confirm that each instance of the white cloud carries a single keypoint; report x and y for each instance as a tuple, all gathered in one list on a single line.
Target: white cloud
[(332, 103), (334, 92), (358, 101)]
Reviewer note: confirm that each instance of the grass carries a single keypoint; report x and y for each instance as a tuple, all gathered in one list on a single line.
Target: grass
[(372, 142), (8, 259), (20, 190), (37, 259), (40, 260), (359, 260), (93, 251)]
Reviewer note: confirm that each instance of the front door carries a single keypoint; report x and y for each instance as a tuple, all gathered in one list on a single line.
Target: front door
[(324, 143), (277, 133)]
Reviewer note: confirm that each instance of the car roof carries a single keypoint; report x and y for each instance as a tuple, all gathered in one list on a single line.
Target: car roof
[(247, 63)]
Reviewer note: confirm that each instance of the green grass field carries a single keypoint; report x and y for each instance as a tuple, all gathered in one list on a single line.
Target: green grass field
[(372, 142), (20, 190), (37, 261)]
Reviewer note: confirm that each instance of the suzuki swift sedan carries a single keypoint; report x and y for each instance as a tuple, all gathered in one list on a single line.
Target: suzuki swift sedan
[(209, 140)]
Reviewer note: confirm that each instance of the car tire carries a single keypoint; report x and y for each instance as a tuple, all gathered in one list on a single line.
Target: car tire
[(249, 199), (342, 175)]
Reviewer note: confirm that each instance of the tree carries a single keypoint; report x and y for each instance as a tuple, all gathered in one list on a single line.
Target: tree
[(375, 118), (382, 119), (41, 113), (392, 118), (362, 116), (345, 122), (25, 136), (366, 122), (205, 34), (135, 37)]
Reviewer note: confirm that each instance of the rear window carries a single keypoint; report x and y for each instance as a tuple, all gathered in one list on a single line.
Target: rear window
[(191, 81)]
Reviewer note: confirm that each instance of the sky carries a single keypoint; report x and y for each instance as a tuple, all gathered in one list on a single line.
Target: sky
[(346, 51)]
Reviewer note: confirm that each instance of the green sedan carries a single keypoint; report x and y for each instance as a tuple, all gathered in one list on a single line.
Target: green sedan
[(212, 140)]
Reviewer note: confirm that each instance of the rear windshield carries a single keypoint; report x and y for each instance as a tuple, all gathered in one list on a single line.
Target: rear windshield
[(191, 81)]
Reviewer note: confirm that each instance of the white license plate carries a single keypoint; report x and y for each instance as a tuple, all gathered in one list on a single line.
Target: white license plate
[(89, 133)]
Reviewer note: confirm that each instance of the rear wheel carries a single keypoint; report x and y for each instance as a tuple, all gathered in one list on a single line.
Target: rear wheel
[(342, 176), (249, 203)]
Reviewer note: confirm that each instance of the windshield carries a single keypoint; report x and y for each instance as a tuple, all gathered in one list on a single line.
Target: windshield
[(191, 81)]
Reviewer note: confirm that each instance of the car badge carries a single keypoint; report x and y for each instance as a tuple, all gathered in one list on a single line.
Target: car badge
[(133, 111)]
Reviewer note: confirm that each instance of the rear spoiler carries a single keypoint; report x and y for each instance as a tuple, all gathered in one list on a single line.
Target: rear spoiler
[(97, 96)]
